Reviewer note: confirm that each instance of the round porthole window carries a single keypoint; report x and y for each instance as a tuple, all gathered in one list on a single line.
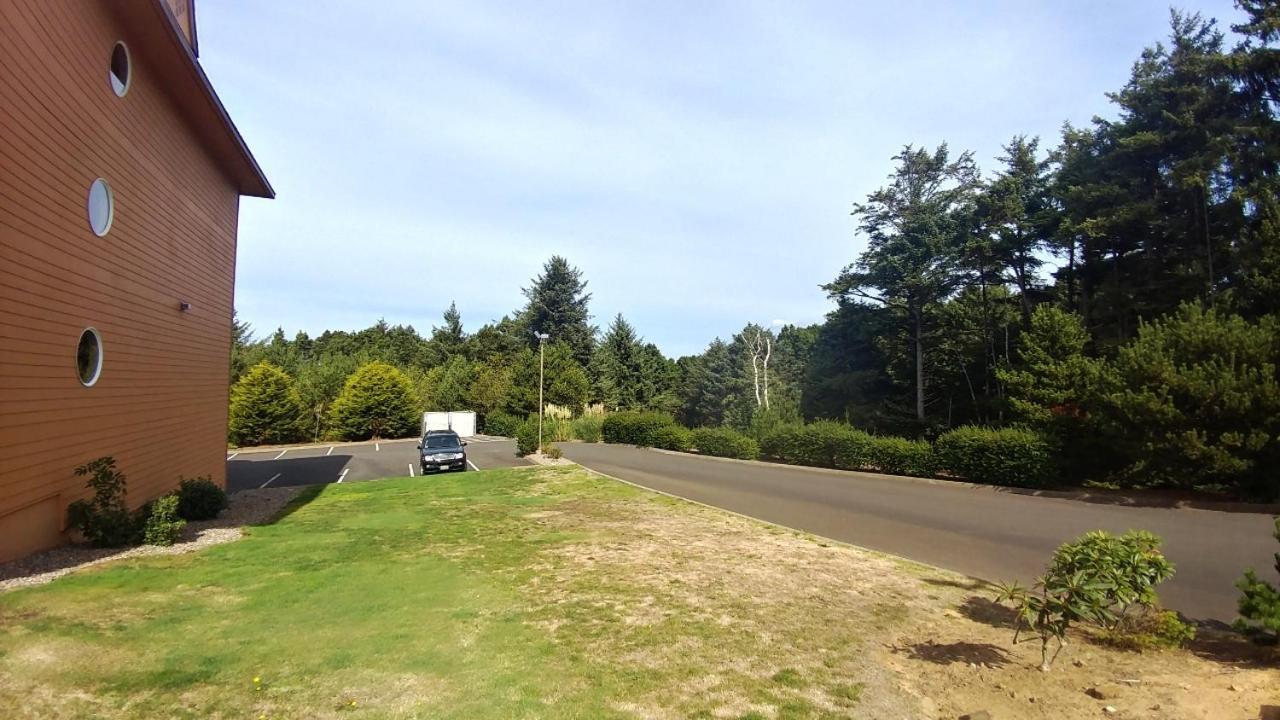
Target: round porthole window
[(102, 207), (120, 69), (89, 357)]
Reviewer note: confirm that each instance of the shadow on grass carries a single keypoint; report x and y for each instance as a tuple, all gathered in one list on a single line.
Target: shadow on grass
[(967, 584), (988, 612), (957, 652)]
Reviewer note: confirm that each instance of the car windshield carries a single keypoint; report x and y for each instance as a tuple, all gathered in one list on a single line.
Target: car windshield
[(442, 441)]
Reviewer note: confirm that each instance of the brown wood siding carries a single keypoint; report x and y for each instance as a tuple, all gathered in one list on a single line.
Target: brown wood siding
[(160, 405)]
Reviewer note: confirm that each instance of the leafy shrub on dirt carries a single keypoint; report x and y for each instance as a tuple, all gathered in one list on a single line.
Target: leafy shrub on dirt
[(265, 408), (634, 428), (997, 456), (825, 443), (200, 498), (725, 442), (103, 520), (588, 429), (1155, 630), (162, 525), (1260, 601), (1098, 578), (377, 401), (671, 437), (899, 456), (553, 452), (501, 424), (1129, 566)]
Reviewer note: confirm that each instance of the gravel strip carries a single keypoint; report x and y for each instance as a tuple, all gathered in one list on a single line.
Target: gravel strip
[(247, 507)]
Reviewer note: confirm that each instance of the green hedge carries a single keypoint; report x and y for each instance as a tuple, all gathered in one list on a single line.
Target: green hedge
[(672, 437), (634, 428), (820, 444), (501, 424), (725, 442), (899, 456), (998, 456), (588, 429)]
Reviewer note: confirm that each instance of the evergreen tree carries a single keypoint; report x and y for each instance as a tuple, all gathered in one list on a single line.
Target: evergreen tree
[(265, 407), (618, 367), (448, 339), (915, 228), (377, 401), (558, 307)]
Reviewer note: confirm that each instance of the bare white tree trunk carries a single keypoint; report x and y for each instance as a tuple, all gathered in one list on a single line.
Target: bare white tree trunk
[(768, 351), (755, 368)]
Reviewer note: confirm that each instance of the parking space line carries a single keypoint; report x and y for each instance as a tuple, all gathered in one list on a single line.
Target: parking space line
[(377, 447), (282, 452), (330, 451), (273, 477), (232, 456), (410, 469), (473, 466), (343, 475)]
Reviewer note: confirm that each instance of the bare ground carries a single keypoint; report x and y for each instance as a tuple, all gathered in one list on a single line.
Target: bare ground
[(845, 628)]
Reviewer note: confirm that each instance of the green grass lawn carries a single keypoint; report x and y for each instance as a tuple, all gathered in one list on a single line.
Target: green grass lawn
[(508, 593)]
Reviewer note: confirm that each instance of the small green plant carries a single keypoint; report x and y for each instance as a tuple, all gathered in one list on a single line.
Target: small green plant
[(1098, 578), (1153, 630), (725, 442), (553, 452), (1260, 602), (104, 520), (200, 498), (162, 525), (1129, 565)]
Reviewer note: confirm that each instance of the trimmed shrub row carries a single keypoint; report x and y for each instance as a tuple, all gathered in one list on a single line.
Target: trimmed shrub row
[(725, 442), (588, 428), (635, 428), (999, 456)]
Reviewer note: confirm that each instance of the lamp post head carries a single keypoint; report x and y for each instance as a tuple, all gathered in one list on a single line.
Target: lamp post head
[(542, 336)]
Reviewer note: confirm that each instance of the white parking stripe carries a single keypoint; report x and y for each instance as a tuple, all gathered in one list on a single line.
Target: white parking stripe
[(410, 469), (473, 466), (232, 456), (377, 447), (273, 478), (343, 475), (282, 452), (330, 451)]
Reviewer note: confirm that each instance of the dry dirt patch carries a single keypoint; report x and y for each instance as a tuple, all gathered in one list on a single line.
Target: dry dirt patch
[(839, 630)]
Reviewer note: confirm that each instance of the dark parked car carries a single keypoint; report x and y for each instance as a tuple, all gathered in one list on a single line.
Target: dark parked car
[(442, 450)]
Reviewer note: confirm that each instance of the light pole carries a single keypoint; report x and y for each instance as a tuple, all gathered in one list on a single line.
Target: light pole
[(542, 337)]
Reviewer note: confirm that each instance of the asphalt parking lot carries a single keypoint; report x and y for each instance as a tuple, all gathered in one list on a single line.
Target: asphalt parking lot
[(340, 463)]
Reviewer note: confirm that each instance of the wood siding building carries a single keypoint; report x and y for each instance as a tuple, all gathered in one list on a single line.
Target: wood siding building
[(120, 180)]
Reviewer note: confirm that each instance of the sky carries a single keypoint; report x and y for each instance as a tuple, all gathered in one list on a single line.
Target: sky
[(698, 161)]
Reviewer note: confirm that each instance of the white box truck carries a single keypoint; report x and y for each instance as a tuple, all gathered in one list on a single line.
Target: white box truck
[(462, 422)]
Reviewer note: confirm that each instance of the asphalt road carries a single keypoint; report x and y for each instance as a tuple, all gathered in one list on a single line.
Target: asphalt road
[(323, 464), (982, 532)]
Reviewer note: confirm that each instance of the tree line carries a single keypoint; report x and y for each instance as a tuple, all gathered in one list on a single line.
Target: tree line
[(1116, 292)]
